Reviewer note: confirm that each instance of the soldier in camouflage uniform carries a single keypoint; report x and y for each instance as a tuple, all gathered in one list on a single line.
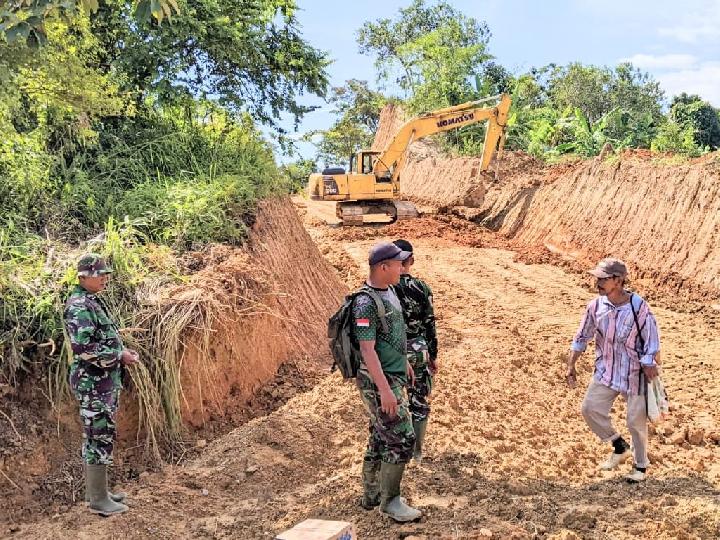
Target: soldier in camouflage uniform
[(416, 299), (96, 377), (382, 379)]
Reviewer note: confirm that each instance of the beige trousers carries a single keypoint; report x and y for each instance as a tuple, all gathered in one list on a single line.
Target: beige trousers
[(596, 411)]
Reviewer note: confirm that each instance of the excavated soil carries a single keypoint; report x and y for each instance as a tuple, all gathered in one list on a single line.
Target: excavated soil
[(508, 455), (279, 292)]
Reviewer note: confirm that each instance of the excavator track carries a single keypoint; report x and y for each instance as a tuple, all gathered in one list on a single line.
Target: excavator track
[(350, 214)]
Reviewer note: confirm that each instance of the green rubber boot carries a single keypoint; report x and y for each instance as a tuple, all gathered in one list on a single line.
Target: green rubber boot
[(371, 485), (391, 504), (117, 497), (100, 502), (419, 428)]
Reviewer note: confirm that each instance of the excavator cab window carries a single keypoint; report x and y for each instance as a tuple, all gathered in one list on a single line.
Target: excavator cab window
[(353, 164), (367, 163)]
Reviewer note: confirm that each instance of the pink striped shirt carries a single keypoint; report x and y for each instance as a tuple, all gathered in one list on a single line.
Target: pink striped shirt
[(618, 350)]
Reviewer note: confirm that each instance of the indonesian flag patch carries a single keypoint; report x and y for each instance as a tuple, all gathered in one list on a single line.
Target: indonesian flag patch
[(363, 323)]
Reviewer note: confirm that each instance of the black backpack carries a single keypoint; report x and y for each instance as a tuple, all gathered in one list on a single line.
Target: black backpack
[(344, 345)]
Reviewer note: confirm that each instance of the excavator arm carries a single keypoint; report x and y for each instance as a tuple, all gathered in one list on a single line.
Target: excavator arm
[(390, 161)]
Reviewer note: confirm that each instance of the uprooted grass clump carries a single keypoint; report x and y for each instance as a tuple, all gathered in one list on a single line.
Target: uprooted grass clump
[(161, 311)]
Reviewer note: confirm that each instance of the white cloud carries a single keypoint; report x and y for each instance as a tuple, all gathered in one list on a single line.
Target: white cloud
[(698, 25), (703, 79), (662, 62)]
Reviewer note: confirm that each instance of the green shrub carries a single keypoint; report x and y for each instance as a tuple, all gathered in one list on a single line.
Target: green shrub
[(673, 137), (183, 213)]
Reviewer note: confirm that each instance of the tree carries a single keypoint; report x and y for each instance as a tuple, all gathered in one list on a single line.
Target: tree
[(672, 137), (690, 111), (430, 52), (296, 173), (598, 90), (358, 113), (25, 20), (245, 54), (577, 108)]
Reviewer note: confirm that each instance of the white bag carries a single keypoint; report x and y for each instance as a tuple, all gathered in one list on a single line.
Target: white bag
[(658, 405)]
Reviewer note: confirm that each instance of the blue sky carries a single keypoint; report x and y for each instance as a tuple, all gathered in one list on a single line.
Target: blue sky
[(677, 42)]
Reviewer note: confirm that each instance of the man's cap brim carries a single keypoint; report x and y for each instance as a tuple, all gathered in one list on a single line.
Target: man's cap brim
[(599, 273), (402, 256)]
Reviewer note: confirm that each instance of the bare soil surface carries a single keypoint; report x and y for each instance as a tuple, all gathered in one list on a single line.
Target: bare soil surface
[(508, 455)]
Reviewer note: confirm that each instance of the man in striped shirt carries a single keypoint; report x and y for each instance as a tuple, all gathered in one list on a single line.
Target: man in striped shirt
[(626, 345)]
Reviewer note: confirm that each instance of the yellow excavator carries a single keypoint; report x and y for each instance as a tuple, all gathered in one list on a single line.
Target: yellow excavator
[(372, 185)]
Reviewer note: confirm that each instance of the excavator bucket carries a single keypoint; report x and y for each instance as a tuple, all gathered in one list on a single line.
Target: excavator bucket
[(475, 197)]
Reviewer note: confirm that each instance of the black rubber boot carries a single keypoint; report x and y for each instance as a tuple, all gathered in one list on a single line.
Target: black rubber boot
[(100, 502), (391, 504)]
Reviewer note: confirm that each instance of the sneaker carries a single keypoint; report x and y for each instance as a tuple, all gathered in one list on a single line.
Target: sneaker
[(615, 460), (635, 476)]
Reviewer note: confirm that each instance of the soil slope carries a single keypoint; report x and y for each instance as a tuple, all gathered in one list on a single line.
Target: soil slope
[(291, 292), (276, 295), (663, 219)]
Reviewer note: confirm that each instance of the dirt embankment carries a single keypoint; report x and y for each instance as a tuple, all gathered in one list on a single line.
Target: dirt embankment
[(392, 117), (271, 302), (664, 220), (291, 292)]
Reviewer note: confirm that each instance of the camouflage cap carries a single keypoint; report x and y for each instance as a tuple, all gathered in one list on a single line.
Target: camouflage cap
[(92, 265), (609, 268)]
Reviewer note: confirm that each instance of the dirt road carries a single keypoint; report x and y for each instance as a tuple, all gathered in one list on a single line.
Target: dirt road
[(508, 453)]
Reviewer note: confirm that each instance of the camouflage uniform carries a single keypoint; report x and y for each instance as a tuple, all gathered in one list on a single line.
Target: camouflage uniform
[(96, 370), (391, 439), (416, 299)]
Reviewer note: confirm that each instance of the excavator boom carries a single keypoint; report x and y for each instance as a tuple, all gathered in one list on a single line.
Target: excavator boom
[(391, 159)]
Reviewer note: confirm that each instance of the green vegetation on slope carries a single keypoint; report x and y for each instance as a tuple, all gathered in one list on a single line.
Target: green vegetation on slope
[(136, 136)]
